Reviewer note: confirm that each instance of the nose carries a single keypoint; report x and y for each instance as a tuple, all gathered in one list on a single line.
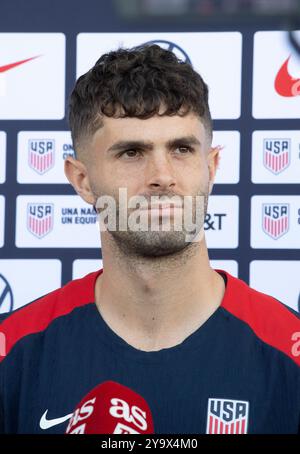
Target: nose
[(160, 172)]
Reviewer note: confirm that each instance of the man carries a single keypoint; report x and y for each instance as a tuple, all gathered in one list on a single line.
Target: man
[(207, 353)]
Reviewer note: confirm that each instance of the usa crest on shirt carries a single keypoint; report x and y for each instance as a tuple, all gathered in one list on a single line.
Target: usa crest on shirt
[(227, 416)]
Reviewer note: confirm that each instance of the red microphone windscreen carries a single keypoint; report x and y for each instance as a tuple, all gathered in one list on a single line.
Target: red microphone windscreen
[(111, 408)]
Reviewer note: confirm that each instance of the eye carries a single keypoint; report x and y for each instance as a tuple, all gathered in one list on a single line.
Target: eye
[(185, 150), (130, 153)]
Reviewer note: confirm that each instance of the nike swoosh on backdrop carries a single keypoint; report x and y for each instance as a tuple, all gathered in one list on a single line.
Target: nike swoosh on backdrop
[(17, 63), (284, 82), (47, 423)]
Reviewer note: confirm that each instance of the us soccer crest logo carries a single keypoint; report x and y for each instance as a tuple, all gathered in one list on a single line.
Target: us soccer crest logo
[(225, 416), (41, 155), (277, 154), (275, 219), (40, 218)]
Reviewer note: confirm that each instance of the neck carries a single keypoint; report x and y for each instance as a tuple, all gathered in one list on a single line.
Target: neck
[(156, 303)]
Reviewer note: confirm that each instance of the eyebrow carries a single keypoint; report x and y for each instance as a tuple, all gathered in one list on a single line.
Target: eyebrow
[(172, 143)]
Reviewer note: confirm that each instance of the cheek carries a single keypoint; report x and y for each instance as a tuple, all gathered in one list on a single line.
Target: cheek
[(98, 184), (102, 179), (131, 177), (200, 183), (113, 186), (197, 175)]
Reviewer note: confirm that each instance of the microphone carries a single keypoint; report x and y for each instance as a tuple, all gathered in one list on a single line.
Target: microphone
[(111, 408)]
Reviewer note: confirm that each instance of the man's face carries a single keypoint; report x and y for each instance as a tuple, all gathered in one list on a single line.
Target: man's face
[(162, 156)]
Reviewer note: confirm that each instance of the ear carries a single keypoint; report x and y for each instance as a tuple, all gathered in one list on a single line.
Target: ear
[(77, 175), (213, 160)]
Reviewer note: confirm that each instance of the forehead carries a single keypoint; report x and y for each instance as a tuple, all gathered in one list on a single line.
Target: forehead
[(156, 129)]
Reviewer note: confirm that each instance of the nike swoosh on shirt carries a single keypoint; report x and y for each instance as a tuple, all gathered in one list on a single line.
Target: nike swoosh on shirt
[(47, 423), (17, 63)]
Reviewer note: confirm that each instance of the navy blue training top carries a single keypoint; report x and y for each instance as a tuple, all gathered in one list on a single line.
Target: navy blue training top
[(237, 373)]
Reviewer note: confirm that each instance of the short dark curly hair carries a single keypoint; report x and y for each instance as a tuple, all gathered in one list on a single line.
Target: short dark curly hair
[(136, 82)]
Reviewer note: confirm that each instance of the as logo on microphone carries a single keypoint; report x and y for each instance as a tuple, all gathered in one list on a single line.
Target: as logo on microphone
[(111, 408), (132, 415), (81, 414)]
